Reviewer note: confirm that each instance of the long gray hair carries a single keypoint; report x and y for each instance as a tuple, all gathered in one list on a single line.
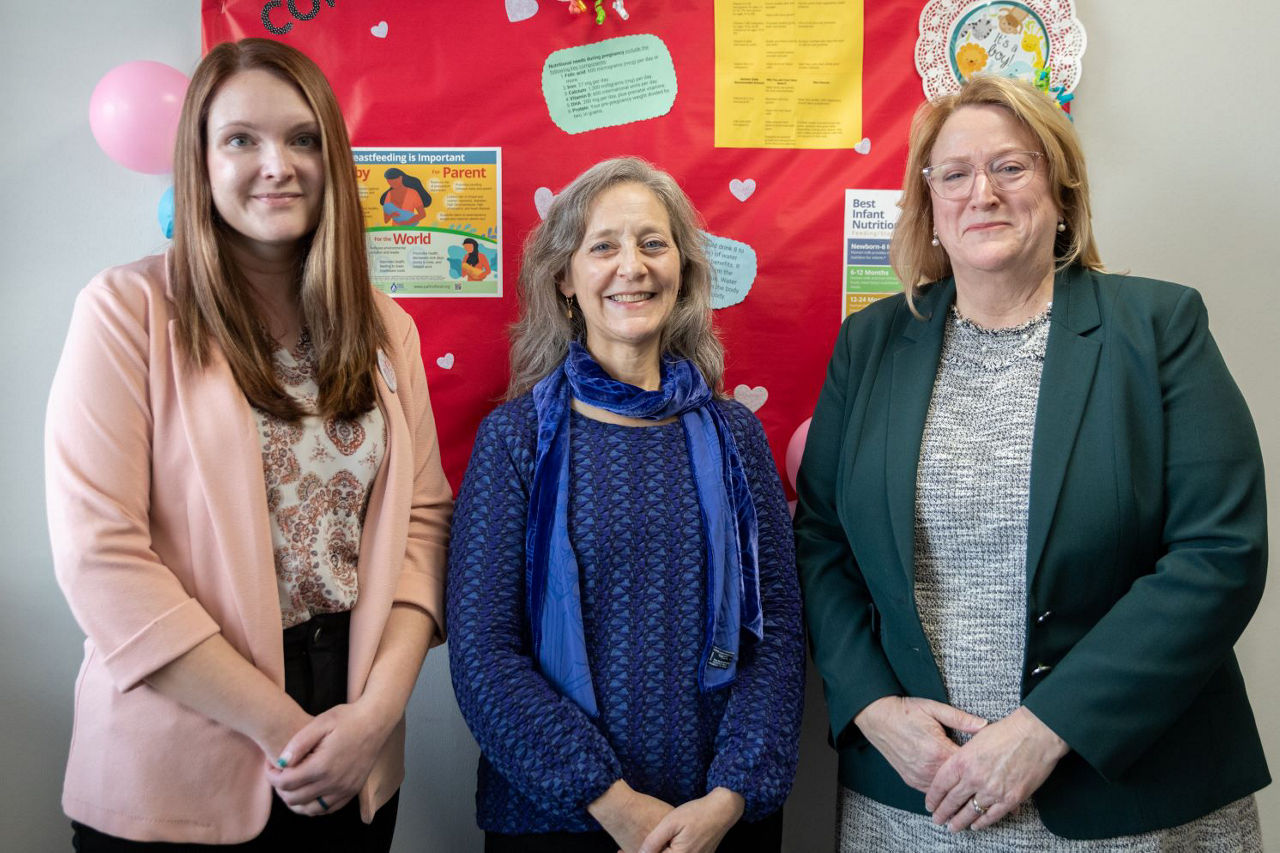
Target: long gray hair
[(540, 338)]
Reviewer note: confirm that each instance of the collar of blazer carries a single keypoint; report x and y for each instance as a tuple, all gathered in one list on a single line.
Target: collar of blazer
[(1070, 364)]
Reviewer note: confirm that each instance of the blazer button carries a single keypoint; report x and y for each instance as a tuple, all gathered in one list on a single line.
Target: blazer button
[(1044, 617), (1041, 670)]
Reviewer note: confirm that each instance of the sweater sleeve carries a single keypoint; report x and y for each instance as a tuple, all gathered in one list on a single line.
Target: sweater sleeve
[(540, 741), (757, 742)]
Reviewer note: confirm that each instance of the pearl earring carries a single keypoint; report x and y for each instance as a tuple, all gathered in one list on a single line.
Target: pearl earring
[(1062, 226), (934, 241)]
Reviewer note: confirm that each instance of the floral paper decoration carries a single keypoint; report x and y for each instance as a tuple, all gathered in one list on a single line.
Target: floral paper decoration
[(961, 38)]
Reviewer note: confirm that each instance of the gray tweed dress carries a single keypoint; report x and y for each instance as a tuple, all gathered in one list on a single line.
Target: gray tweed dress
[(972, 492)]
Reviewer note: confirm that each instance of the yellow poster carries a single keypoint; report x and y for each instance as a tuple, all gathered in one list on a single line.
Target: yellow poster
[(432, 219), (788, 73)]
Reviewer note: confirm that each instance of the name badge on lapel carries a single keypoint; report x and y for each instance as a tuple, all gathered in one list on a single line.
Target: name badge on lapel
[(387, 371)]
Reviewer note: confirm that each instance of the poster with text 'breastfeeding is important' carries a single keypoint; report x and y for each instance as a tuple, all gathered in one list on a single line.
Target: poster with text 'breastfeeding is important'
[(433, 219)]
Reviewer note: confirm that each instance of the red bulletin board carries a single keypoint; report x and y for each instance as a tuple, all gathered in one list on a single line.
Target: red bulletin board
[(430, 73)]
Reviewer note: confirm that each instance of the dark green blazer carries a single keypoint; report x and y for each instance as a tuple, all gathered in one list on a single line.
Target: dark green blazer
[(1146, 550)]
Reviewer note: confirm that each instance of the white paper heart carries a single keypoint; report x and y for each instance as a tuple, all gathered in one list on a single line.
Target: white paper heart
[(752, 398), (521, 10), (379, 30), (863, 147), (446, 361), (742, 190), (542, 198)]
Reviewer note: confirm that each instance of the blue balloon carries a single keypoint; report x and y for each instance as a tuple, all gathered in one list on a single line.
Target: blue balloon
[(164, 213)]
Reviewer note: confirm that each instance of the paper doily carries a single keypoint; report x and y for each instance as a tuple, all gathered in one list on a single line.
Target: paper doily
[(959, 38)]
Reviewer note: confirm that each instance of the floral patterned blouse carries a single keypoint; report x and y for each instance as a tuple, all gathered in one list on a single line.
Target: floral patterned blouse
[(318, 475)]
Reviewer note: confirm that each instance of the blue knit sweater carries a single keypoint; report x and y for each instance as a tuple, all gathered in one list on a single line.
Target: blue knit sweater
[(637, 533)]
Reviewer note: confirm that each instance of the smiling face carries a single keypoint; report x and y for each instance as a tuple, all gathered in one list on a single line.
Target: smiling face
[(265, 164), (993, 231), (625, 275)]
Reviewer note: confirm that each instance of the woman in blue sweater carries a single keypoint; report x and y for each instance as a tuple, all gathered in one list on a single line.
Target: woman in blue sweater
[(625, 634)]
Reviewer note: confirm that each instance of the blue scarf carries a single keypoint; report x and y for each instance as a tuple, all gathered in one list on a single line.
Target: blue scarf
[(728, 520)]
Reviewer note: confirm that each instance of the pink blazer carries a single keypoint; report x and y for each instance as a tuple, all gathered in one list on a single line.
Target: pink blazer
[(158, 516)]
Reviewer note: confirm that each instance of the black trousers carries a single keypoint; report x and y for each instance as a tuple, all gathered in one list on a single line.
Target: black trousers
[(315, 664), (763, 836)]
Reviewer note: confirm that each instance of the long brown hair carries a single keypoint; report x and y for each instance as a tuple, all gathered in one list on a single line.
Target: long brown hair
[(214, 306), (540, 338), (916, 261)]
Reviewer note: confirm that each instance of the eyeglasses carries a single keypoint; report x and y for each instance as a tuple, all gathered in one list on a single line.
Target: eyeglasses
[(1009, 171)]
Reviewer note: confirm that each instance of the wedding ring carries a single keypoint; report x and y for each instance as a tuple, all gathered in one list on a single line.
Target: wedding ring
[(977, 808)]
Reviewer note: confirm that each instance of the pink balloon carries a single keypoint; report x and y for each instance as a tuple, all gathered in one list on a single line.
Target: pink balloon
[(134, 113), (795, 450)]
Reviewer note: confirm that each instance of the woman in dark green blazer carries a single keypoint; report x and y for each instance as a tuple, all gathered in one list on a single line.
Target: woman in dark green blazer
[(1031, 522)]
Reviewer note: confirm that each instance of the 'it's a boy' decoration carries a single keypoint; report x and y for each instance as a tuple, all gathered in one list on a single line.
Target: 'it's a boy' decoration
[(1039, 41)]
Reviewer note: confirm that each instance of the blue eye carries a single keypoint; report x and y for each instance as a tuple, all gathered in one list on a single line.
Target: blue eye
[(240, 140), (308, 140), (654, 243)]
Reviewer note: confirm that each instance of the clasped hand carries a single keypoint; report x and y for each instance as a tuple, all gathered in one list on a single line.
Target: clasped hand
[(329, 759), (640, 823), (1001, 766), (696, 826)]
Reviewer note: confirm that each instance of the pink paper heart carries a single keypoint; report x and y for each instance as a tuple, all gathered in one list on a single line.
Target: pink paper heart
[(521, 10), (542, 198), (742, 190), (752, 398)]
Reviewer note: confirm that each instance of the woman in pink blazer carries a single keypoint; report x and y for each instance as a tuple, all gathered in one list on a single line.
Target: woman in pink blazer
[(248, 513)]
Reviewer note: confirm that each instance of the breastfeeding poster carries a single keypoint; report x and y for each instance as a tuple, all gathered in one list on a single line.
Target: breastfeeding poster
[(432, 219), (764, 111)]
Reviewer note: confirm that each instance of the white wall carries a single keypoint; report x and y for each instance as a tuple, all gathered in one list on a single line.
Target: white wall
[(1179, 117)]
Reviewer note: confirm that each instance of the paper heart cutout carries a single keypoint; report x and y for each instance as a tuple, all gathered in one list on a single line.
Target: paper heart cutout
[(863, 147), (542, 198), (752, 398), (521, 10), (380, 30), (742, 190), (445, 361)]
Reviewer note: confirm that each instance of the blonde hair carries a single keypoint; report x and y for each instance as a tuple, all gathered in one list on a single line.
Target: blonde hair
[(916, 261), (540, 338), (213, 302)]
